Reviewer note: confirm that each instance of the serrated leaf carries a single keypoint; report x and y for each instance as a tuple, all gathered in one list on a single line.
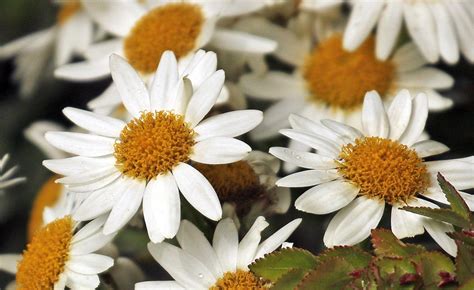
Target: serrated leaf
[(464, 262), (334, 273), (289, 280), (355, 256), (457, 203), (440, 214), (432, 265), (463, 236), (386, 244), (274, 265), (468, 285), (390, 270)]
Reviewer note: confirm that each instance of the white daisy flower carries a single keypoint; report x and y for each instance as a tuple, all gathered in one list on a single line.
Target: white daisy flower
[(442, 28), (6, 176), (61, 256), (146, 31), (71, 35), (247, 188), (359, 172), (197, 264), (324, 83), (120, 164)]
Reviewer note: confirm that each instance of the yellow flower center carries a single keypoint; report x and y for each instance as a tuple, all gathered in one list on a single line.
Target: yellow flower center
[(340, 79), (153, 144), (383, 169), (174, 27), (47, 196), (45, 257), (233, 182), (240, 280), (67, 10)]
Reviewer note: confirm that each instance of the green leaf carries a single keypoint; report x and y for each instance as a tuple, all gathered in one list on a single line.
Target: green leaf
[(464, 262), (333, 273), (274, 265), (457, 203), (468, 285), (355, 256), (440, 214), (289, 280), (390, 270), (463, 236), (386, 244), (431, 266)]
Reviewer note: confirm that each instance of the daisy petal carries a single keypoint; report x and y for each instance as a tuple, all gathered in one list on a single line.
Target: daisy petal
[(229, 124), (399, 114), (303, 159), (158, 285), (198, 191), (327, 197), (84, 71), (204, 98), (226, 244), (408, 57), (76, 280), (81, 144), (307, 178), (161, 207), (437, 231), (164, 80), (249, 244), (406, 224), (353, 223), (275, 240), (219, 150), (374, 118), (9, 262), (419, 114), (446, 33), (77, 164), (241, 42), (90, 264), (95, 123), (363, 18), (426, 77), (388, 29), (272, 86), (342, 129), (322, 145), (428, 148), (131, 88)]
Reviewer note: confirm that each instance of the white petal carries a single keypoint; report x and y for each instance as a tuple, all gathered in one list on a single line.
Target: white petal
[(303, 159), (197, 191), (77, 281), (98, 124), (94, 184), (84, 71), (77, 164), (322, 145), (463, 24), (302, 123), (388, 29), (131, 88), (91, 244), (399, 114), (200, 67), (9, 262), (204, 98), (161, 207), (437, 231), (90, 264), (363, 18), (229, 124), (353, 223), (275, 240), (342, 129), (272, 86), (81, 144), (249, 244), (307, 178), (158, 285), (408, 57), (107, 101), (184, 268), (165, 79), (35, 134), (126, 206), (421, 26), (446, 33), (87, 176), (406, 224), (226, 244), (89, 229), (219, 150), (419, 114), (437, 102), (374, 118), (241, 42), (327, 197), (184, 92), (193, 241), (103, 49), (426, 77), (428, 148)]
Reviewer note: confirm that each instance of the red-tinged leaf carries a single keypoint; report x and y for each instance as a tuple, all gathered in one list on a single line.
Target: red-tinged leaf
[(464, 262), (446, 279), (440, 214), (457, 203), (431, 264), (333, 273), (289, 280), (355, 256), (386, 244), (463, 236), (409, 278)]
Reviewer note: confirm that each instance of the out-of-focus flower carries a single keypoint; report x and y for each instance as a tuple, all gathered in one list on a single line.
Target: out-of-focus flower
[(247, 187), (120, 164), (60, 256), (6, 176), (439, 28), (358, 172), (197, 264), (71, 35), (329, 82)]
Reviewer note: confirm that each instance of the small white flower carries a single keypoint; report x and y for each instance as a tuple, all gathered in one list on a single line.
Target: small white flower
[(122, 164), (439, 28), (6, 176), (60, 255), (359, 172), (197, 264)]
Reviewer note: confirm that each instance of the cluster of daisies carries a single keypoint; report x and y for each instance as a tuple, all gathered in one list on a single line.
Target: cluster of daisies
[(349, 83)]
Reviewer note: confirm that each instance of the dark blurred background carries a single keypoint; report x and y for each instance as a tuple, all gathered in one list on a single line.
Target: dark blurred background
[(20, 17)]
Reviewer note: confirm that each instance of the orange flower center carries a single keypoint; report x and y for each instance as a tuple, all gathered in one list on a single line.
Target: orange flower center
[(240, 280)]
